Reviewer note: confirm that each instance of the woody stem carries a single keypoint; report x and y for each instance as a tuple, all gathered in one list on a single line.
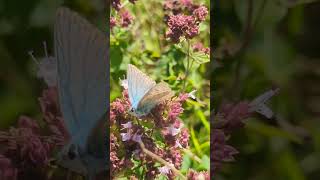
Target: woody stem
[(162, 161)]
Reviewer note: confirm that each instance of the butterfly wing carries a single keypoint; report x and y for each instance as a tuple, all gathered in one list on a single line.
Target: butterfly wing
[(258, 104), (82, 62), (264, 97), (154, 96), (138, 85), (264, 110)]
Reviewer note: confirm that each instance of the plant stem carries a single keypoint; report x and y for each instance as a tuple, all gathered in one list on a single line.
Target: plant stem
[(188, 68), (162, 161), (192, 156)]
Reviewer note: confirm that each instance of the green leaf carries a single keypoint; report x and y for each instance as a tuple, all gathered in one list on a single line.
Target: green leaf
[(195, 141), (271, 131), (186, 164), (200, 57), (205, 163), (265, 13), (203, 120)]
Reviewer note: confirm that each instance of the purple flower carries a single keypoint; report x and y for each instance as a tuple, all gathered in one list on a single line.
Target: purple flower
[(113, 22), (165, 170), (116, 4), (26, 122), (175, 110), (231, 116), (114, 159), (181, 25), (198, 47), (200, 13), (193, 175), (126, 136), (32, 148), (221, 151), (184, 138), (7, 170), (131, 131), (126, 18), (53, 117)]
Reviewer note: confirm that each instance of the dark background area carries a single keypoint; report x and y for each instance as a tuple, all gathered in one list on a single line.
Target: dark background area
[(24, 25), (258, 45)]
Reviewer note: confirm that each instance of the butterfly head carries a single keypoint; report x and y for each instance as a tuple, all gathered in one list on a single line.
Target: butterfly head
[(134, 112), (71, 157)]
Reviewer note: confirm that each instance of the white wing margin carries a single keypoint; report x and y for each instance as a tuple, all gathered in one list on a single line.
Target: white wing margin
[(138, 85), (83, 69)]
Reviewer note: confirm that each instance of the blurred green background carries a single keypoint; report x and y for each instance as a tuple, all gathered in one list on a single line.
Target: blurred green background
[(260, 44), (24, 25)]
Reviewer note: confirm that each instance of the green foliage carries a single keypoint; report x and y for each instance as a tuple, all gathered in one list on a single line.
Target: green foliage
[(260, 44)]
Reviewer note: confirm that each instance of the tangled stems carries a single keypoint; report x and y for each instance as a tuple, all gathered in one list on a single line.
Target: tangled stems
[(159, 159)]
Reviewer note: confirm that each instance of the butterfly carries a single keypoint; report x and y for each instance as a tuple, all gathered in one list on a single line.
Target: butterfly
[(81, 51), (258, 104), (144, 93)]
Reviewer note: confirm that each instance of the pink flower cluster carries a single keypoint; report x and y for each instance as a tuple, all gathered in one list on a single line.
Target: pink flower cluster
[(125, 18), (194, 175), (198, 47), (229, 118), (7, 170), (183, 19), (29, 144), (127, 131)]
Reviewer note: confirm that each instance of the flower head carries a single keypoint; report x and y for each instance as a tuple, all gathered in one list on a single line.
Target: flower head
[(126, 18), (8, 171), (200, 13)]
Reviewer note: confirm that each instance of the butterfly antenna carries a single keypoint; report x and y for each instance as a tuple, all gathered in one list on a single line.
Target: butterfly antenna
[(45, 48), (32, 57)]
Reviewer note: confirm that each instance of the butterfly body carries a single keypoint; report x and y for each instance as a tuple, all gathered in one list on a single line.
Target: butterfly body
[(144, 93)]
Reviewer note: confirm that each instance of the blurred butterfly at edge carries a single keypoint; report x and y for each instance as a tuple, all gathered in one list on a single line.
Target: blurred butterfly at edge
[(82, 70), (144, 93)]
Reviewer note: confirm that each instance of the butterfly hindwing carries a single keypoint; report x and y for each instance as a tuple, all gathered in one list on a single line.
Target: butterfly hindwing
[(82, 62), (154, 96), (138, 85)]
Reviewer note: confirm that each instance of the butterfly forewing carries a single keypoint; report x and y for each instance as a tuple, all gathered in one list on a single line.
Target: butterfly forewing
[(159, 93), (82, 59), (138, 85)]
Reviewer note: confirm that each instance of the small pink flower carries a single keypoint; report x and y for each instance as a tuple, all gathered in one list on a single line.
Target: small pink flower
[(116, 4), (181, 25), (26, 122), (137, 138), (173, 131), (7, 170), (33, 148), (113, 22), (124, 83), (126, 136), (193, 175), (118, 106), (126, 18), (127, 125), (200, 13), (165, 170)]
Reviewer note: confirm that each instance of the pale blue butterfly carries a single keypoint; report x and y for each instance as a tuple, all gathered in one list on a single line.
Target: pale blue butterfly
[(82, 76), (144, 93), (258, 104)]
